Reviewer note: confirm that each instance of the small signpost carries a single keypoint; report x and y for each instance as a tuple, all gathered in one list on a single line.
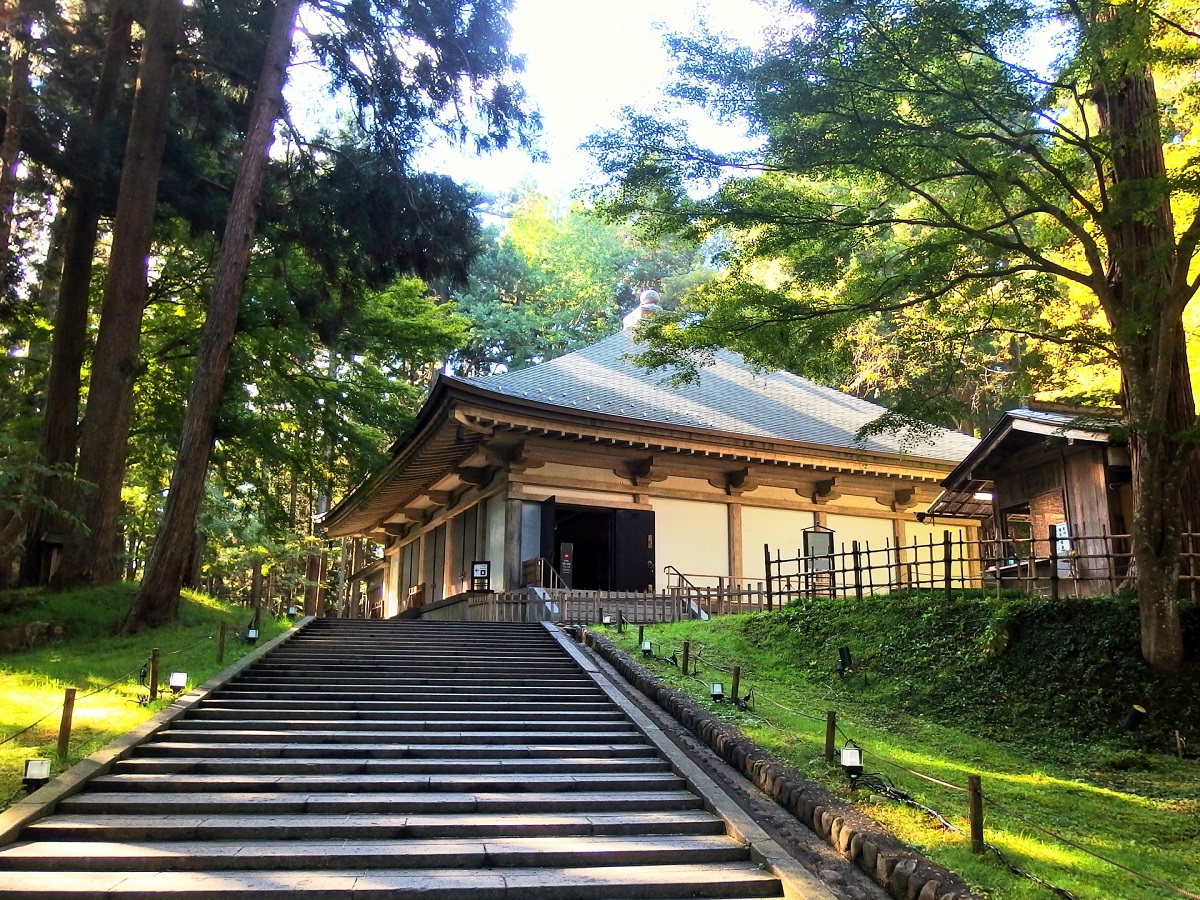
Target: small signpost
[(481, 575)]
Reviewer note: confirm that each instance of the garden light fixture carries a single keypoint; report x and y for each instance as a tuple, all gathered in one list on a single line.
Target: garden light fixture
[(845, 663), (647, 648), (1134, 718), (717, 692), (251, 635), (37, 774), (852, 762), (178, 681)]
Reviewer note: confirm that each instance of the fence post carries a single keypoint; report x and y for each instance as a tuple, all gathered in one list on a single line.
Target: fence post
[(64, 727), (683, 665), (975, 799), (154, 674), (947, 554), (1054, 586), (830, 734), (221, 642), (770, 595), (856, 561), (737, 678)]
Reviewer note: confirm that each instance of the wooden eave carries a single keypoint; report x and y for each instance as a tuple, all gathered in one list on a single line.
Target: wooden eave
[(460, 417)]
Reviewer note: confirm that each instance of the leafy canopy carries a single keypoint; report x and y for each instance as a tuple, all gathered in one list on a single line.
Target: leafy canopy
[(929, 208)]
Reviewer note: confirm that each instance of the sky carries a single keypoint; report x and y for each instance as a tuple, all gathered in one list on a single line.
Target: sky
[(586, 60)]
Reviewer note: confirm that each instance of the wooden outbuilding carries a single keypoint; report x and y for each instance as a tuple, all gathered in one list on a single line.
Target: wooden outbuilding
[(1043, 471)]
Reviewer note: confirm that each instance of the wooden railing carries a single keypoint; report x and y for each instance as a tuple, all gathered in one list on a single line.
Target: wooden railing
[(1061, 568), (1080, 566), (578, 607)]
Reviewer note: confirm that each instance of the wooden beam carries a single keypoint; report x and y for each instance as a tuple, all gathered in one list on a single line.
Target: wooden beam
[(440, 498), (639, 472), (738, 481), (476, 476), (825, 491)]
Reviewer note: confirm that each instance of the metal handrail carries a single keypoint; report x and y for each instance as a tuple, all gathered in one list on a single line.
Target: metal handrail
[(556, 580), (683, 579)]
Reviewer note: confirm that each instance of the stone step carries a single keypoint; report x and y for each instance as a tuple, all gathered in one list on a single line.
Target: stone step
[(303, 782), (336, 748), (335, 735), (451, 664), (391, 761), (516, 688), (527, 718), (718, 880), (186, 827), (419, 703), (317, 722), (288, 691), (462, 853), (289, 767), (230, 802)]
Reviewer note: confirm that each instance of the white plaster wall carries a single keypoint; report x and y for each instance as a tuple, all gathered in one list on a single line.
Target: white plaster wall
[(551, 471), (531, 530), (391, 585), (927, 564), (874, 535), (781, 529), (690, 535)]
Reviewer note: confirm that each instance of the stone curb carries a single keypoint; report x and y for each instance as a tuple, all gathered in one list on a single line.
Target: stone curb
[(903, 872), (45, 800)]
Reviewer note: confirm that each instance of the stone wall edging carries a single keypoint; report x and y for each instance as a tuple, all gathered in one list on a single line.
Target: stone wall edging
[(902, 871)]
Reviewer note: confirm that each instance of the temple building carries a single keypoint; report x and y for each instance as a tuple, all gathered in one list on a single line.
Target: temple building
[(601, 475)]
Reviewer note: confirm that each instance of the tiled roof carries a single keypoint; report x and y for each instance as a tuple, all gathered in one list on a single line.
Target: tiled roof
[(730, 396)]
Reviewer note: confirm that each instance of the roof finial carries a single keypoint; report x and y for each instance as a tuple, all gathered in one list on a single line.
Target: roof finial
[(647, 306)]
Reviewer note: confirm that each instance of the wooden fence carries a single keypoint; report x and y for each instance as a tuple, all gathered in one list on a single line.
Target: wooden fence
[(1056, 566)]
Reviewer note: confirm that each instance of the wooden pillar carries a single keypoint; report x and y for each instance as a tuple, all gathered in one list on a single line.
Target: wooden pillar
[(452, 575), (355, 589), (512, 544), (736, 563)]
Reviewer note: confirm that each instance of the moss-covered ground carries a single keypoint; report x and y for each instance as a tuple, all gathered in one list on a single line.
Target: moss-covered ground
[(1029, 694), (104, 669)]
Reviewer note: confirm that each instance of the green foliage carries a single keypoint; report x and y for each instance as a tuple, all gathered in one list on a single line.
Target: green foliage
[(924, 218), (1018, 668), (554, 281)]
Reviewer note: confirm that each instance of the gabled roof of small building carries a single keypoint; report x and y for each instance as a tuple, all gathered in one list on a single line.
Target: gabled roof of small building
[(1017, 429), (729, 396)]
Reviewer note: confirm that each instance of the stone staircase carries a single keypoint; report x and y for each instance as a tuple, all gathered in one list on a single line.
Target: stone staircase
[(392, 759)]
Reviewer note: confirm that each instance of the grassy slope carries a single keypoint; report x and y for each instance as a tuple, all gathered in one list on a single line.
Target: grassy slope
[(32, 682), (1029, 694)]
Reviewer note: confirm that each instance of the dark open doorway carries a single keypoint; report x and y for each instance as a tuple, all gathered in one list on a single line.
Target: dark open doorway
[(597, 549)]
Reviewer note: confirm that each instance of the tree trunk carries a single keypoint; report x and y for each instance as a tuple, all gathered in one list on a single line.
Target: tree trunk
[(312, 577), (256, 583), (105, 435), (10, 147), (1145, 307), (60, 417), (158, 599)]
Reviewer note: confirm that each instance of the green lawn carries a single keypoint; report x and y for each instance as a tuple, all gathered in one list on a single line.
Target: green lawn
[(103, 668), (936, 691)]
